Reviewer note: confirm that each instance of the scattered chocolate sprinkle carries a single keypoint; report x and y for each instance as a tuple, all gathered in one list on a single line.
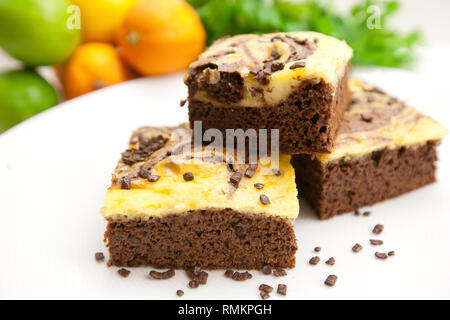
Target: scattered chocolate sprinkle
[(193, 284), (376, 242), (143, 173), (162, 275), (331, 261), (275, 54), (276, 66), (99, 256), (391, 253), (276, 172), (357, 247), (180, 293), (366, 213), (123, 272), (357, 212), (366, 117), (300, 64), (250, 172), (378, 229), (188, 176), (331, 280), (260, 74), (202, 277), (241, 276), (182, 102), (316, 40), (259, 186), (229, 273), (190, 274), (235, 179), (314, 260), (264, 295), (282, 289), (126, 184), (265, 288), (264, 199), (317, 249), (380, 255), (267, 270), (153, 177), (279, 273)]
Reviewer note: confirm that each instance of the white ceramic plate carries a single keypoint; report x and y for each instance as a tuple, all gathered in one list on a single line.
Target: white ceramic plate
[(55, 169)]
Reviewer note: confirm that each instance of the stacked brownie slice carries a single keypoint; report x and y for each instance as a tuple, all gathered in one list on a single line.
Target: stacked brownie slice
[(294, 82), (352, 144)]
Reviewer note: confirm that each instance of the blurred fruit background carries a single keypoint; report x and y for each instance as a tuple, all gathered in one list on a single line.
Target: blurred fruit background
[(61, 49)]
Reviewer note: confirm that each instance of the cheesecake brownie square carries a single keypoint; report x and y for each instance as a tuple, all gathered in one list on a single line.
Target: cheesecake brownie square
[(295, 82), (171, 207), (384, 148)]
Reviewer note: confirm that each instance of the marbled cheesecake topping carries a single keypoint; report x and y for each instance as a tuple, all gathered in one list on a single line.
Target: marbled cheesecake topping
[(254, 70), (162, 173), (376, 120)]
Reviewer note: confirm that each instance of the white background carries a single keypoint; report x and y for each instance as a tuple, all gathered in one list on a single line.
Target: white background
[(56, 167)]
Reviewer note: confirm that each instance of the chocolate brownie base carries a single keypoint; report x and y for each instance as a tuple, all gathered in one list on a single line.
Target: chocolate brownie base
[(341, 186), (210, 239), (308, 119)]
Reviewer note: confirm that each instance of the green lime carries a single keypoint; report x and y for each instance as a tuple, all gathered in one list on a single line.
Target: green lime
[(23, 93), (38, 32)]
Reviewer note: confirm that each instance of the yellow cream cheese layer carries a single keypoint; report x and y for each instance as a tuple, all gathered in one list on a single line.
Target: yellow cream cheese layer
[(327, 62), (376, 121), (210, 189)]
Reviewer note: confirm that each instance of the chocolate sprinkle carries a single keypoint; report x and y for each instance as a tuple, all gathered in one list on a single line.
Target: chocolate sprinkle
[(235, 179), (99, 256), (300, 64), (282, 289), (391, 253), (331, 280), (162, 275), (276, 172), (123, 272), (380, 255), (265, 288), (126, 184), (188, 176), (331, 261), (193, 284), (241, 276), (264, 199), (202, 277), (357, 247), (357, 212), (182, 102), (317, 249), (366, 213), (376, 242), (366, 117), (250, 172), (276, 66), (267, 270), (180, 293), (259, 186), (279, 273), (153, 178), (314, 260), (229, 273), (378, 229), (264, 295)]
